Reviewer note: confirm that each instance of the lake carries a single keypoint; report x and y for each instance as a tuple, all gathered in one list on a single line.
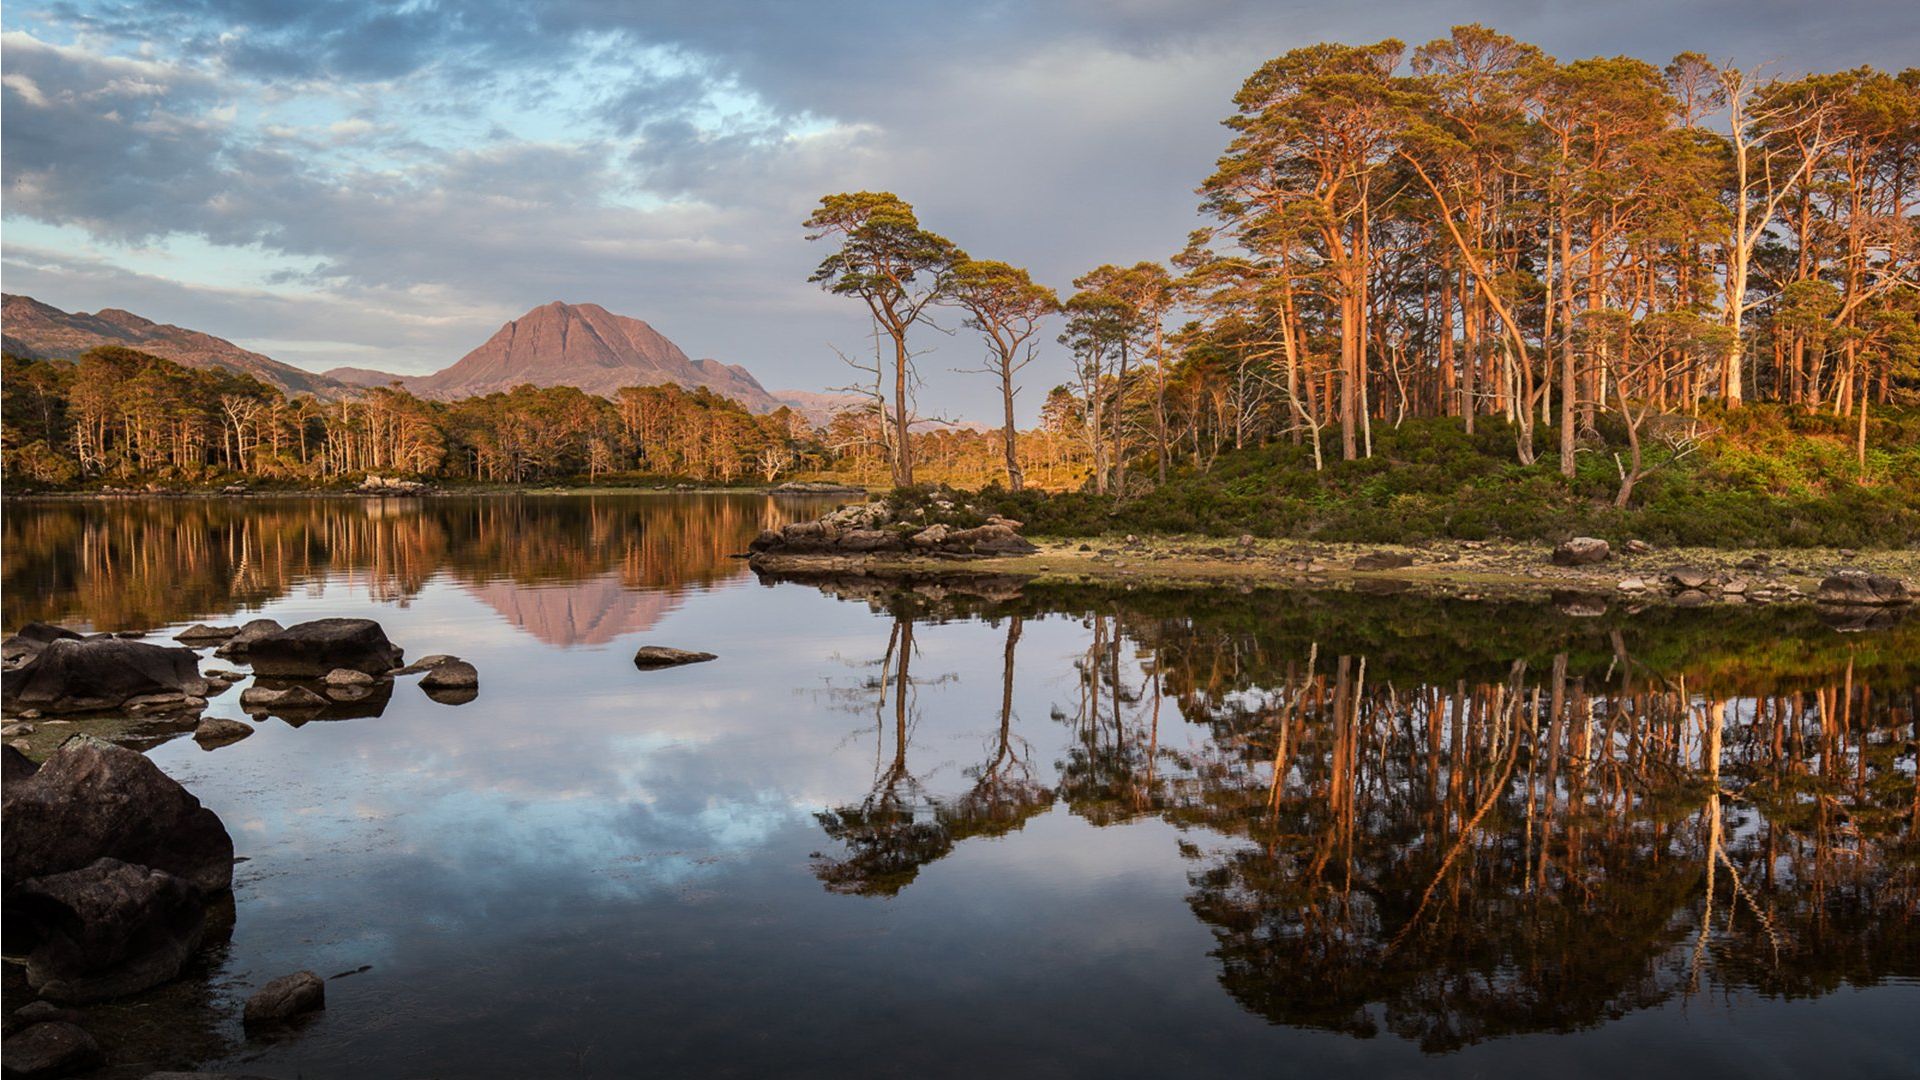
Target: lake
[(957, 828)]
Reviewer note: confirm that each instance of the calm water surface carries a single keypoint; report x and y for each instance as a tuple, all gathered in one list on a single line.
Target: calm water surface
[(1045, 832)]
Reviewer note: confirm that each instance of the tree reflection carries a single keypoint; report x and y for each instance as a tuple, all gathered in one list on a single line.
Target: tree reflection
[(1538, 841)]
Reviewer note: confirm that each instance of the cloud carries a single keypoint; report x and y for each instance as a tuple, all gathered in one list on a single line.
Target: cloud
[(450, 166)]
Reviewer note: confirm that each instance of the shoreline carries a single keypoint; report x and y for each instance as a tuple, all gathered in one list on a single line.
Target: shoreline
[(433, 493), (1467, 570)]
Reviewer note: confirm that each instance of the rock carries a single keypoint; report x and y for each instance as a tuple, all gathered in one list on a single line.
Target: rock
[(50, 1050), (1637, 547), (870, 515), (869, 540), (1632, 584), (425, 663), (17, 766), (1734, 588), (1006, 522), (286, 998), (106, 930), (164, 703), (1383, 560), (40, 1012), (87, 675), (987, 540), (32, 638), (263, 699), (768, 538), (214, 732), (1581, 551), (930, 537), (242, 640), (385, 485), (92, 800), (452, 675), (347, 677), (659, 656), (1246, 540), (1689, 577), (200, 634), (1856, 588), (311, 649)]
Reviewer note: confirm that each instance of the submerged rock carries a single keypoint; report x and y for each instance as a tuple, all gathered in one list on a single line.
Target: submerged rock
[(215, 732), (1851, 588), (266, 699), (49, 1050), (200, 635), (659, 656), (1581, 551), (106, 930), (286, 998), (312, 649), (91, 674)]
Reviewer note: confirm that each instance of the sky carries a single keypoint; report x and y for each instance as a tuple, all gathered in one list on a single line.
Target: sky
[(384, 185)]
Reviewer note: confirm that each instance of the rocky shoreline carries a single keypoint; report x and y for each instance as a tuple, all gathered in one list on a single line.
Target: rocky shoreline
[(1472, 570)]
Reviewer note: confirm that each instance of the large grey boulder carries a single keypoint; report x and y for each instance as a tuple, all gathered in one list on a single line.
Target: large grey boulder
[(90, 674), (106, 930), (92, 800), (312, 649)]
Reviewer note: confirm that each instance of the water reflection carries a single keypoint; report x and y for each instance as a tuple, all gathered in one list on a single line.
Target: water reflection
[(1130, 833), (1452, 862), (569, 569)]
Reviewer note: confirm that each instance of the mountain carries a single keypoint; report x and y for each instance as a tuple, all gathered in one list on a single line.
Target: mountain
[(587, 346), (819, 406), (44, 332)]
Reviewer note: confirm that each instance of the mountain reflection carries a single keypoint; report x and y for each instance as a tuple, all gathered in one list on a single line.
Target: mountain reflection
[(1558, 823), (567, 569)]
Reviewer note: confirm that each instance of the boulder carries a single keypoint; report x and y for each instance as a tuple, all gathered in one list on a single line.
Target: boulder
[(930, 537), (200, 634), (266, 699), (347, 677), (1857, 588), (214, 732), (312, 649), (286, 998), (452, 675), (32, 638), (425, 663), (106, 930), (50, 1050), (768, 538), (869, 540), (17, 766), (90, 674), (659, 656), (39, 1012), (1581, 551), (1638, 547), (1383, 560), (242, 640), (988, 540), (1689, 577), (92, 800)]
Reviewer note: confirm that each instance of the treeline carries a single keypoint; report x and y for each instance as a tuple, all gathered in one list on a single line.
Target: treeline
[(118, 415), (1470, 228), (122, 414)]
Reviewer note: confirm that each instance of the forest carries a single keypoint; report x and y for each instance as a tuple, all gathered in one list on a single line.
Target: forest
[(1619, 273)]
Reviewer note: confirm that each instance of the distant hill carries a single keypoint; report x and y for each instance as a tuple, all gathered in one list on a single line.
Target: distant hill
[(582, 345), (44, 332)]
